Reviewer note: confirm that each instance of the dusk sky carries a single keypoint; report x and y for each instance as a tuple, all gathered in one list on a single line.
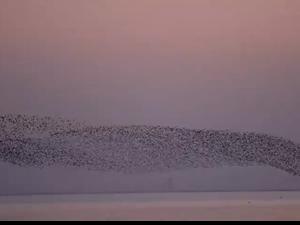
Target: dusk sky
[(215, 64)]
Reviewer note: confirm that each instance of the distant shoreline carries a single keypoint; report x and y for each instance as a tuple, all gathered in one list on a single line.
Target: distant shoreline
[(175, 206)]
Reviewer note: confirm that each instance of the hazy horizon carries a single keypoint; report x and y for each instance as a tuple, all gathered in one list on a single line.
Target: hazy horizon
[(211, 64)]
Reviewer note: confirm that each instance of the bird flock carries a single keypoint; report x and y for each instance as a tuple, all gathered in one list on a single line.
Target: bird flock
[(31, 141)]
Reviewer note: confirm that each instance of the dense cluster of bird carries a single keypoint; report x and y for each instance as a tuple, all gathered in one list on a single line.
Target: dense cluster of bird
[(31, 141)]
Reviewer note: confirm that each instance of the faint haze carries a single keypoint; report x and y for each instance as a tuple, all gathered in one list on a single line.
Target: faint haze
[(220, 64)]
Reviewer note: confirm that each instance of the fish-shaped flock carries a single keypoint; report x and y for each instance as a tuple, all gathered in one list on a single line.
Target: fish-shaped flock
[(31, 141)]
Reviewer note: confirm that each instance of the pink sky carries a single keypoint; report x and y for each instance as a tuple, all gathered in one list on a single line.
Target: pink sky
[(222, 64)]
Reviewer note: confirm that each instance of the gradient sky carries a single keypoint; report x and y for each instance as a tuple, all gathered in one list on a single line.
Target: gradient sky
[(221, 64)]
